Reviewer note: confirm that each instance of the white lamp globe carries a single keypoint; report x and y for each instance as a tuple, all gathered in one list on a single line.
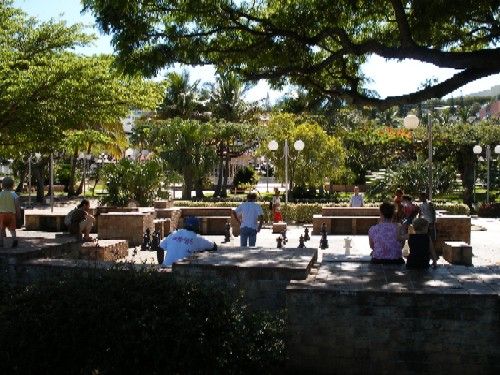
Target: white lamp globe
[(272, 145), (299, 145), (497, 149), (477, 149), (411, 122)]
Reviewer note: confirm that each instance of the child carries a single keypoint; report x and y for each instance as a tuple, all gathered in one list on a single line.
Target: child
[(421, 248), (428, 212), (410, 211), (276, 206), (9, 210)]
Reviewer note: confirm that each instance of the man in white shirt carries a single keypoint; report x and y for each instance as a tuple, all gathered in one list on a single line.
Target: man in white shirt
[(356, 198), (185, 242), (250, 217)]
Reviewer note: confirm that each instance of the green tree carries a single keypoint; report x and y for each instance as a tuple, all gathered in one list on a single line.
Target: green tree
[(187, 146), (316, 44), (180, 98), (323, 155), (46, 91)]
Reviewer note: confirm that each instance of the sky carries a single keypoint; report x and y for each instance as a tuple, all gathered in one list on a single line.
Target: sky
[(388, 77)]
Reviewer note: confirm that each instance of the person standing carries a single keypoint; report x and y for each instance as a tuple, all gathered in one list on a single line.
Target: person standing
[(249, 216), (356, 198), (10, 210), (398, 199), (276, 208)]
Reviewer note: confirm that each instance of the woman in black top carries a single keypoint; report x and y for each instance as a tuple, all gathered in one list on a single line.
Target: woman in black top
[(421, 247)]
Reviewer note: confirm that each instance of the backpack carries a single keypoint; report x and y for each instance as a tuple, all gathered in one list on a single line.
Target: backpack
[(67, 218)]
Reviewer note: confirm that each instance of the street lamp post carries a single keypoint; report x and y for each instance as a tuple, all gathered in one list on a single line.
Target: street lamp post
[(477, 149), (411, 122), (298, 146)]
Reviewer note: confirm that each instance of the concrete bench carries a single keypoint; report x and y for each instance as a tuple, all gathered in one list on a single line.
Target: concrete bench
[(211, 224), (279, 227), (451, 228), (206, 211), (350, 211), (344, 224), (128, 226), (109, 250), (162, 204), (45, 221), (457, 252)]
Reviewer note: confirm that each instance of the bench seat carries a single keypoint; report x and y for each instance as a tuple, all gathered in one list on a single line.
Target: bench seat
[(344, 224)]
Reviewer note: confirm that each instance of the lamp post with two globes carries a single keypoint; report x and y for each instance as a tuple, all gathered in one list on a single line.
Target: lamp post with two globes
[(477, 149), (411, 122), (298, 145)]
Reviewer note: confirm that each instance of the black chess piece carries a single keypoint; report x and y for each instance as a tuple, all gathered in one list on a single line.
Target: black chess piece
[(306, 234), (323, 243), (227, 232), (146, 240), (155, 241), (301, 242), (279, 241)]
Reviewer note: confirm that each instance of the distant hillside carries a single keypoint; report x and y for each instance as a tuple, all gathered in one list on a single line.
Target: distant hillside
[(494, 91)]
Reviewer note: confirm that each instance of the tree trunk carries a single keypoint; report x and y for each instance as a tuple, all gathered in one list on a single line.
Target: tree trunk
[(199, 188), (188, 184), (22, 176), (223, 192), (466, 169), (220, 169), (71, 183), (37, 172)]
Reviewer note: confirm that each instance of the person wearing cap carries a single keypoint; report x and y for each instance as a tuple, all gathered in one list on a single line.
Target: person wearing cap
[(9, 210), (185, 242), (250, 216)]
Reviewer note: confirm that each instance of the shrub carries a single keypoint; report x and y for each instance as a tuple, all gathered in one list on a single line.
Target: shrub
[(245, 175), (489, 210), (129, 180), (134, 323), (453, 208), (412, 178)]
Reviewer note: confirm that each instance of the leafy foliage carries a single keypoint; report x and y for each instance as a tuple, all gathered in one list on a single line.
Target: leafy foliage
[(245, 175), (412, 177), (322, 157), (489, 210), (316, 44), (134, 322), (129, 180)]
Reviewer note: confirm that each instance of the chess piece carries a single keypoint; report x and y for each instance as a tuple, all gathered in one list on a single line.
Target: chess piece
[(323, 243), (155, 241), (347, 245), (227, 232), (301, 242), (279, 241), (306, 234), (146, 240)]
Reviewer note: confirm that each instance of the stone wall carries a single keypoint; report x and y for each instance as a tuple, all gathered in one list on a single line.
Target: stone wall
[(129, 226), (373, 319), (451, 228)]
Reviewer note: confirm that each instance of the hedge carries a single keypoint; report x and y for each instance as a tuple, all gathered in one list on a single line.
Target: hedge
[(134, 323), (303, 212)]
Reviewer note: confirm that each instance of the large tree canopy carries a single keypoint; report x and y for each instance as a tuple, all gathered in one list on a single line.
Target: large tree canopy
[(317, 44)]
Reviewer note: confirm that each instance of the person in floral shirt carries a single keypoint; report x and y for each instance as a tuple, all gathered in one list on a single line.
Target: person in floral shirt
[(386, 238)]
